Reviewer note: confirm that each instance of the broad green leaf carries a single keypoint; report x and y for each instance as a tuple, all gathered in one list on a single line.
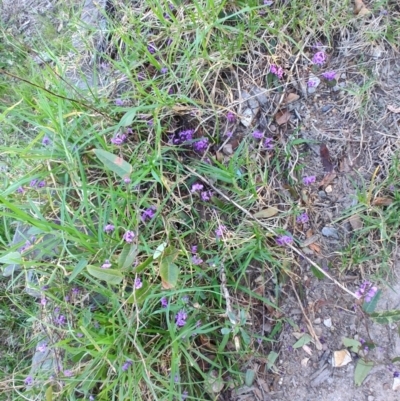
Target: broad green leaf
[(128, 117), (225, 330), (159, 250), (138, 296), (249, 379), (386, 317), (354, 345), (245, 336), (114, 163), (271, 358), (142, 266), (303, 340), (49, 393), (169, 273), (361, 371), (317, 273), (369, 307), (127, 256), (397, 359), (77, 269), (11, 258), (108, 275)]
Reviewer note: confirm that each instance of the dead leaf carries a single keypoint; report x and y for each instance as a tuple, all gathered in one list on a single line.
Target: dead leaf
[(265, 213), (360, 8), (341, 358), (304, 362), (393, 109), (325, 158), (355, 222), (290, 98), (282, 117), (381, 201), (310, 241), (227, 149), (328, 179), (307, 349)]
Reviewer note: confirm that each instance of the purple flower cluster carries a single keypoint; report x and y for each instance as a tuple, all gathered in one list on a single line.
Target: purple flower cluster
[(138, 283), (164, 70), (183, 136), (257, 134), (46, 141), (319, 58), (284, 240), (231, 117), (129, 236), (201, 145), (180, 318), (206, 196), (148, 214), (309, 180), (20, 190), (278, 71), (366, 290), (302, 218), (196, 260), (27, 245), (268, 143), (109, 228), (220, 231), (329, 75), (37, 184), (196, 187), (118, 139), (28, 381), (164, 302), (119, 102), (126, 365), (106, 264)]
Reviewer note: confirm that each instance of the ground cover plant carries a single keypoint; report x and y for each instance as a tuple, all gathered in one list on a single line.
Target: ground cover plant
[(165, 196)]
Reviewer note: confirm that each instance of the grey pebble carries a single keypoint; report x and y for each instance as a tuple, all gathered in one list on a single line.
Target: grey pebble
[(330, 232)]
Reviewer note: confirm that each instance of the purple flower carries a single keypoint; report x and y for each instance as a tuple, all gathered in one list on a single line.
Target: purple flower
[(150, 123), (33, 183), (284, 240), (164, 302), (106, 264), (176, 378), (42, 347), (183, 136), (28, 381), (20, 190), (309, 180), (196, 187), (118, 139), (196, 260), (41, 184), (396, 374), (268, 3), (148, 214), (185, 395), (164, 70), (206, 196), (46, 141), (109, 228), (302, 218), (169, 41), (60, 320), (91, 398), (119, 102), (268, 143), (319, 58), (193, 249), (79, 335), (329, 75), (138, 283), (278, 71), (141, 76), (129, 236), (201, 145), (151, 48), (257, 134), (311, 83), (127, 180), (229, 134), (25, 246), (231, 117), (220, 231), (366, 290), (180, 318), (126, 365), (68, 373)]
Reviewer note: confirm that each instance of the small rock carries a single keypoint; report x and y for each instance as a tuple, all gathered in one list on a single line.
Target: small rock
[(322, 194), (317, 320), (328, 189), (336, 88), (328, 322), (330, 232), (259, 95), (326, 108), (247, 117)]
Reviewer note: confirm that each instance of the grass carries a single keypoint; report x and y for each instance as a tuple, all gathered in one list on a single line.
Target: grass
[(111, 338)]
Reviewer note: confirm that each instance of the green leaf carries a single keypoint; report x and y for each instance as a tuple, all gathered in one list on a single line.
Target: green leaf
[(159, 250), (361, 371), (303, 340), (354, 345), (225, 331), (108, 275), (77, 269), (169, 273), (142, 266), (49, 393), (369, 307), (11, 258), (271, 358), (386, 317), (138, 296), (317, 273), (245, 336), (114, 163), (249, 379), (127, 256), (397, 359), (127, 118)]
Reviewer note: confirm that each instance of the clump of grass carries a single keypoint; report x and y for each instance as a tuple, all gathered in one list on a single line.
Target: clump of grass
[(151, 291)]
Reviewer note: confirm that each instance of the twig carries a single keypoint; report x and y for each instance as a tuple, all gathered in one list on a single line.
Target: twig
[(269, 229)]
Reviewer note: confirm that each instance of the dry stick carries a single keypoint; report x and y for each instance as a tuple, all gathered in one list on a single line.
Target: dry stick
[(309, 325), (248, 214)]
